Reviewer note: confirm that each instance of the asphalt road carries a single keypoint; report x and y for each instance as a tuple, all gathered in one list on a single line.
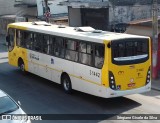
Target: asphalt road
[(40, 96)]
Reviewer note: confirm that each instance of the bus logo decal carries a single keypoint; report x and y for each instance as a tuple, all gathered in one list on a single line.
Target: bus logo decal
[(33, 56), (120, 72)]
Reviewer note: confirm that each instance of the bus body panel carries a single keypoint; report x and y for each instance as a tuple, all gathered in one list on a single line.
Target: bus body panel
[(132, 76), (16, 54), (104, 78)]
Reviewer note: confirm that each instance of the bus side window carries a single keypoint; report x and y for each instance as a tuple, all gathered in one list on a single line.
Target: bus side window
[(19, 37), (71, 50), (35, 42), (45, 44), (85, 53), (99, 56), (10, 38), (51, 45), (28, 39), (59, 47)]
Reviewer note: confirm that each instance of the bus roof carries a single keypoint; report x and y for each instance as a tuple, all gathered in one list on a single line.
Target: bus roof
[(70, 32)]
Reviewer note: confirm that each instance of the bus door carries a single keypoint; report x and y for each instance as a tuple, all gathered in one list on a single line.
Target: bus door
[(45, 64), (34, 57), (10, 39)]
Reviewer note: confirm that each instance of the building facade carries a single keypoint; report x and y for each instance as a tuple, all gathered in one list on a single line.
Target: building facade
[(30, 7), (107, 14)]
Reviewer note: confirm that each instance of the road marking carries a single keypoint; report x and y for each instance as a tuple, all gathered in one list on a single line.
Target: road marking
[(158, 97), (3, 54), (3, 60)]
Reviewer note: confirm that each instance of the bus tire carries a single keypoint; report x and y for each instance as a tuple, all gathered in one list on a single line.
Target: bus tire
[(66, 83), (21, 65)]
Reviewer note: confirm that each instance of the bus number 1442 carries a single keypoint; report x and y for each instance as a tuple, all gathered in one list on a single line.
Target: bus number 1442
[(93, 73)]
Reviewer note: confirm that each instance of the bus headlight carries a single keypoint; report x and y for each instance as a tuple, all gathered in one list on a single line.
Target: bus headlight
[(148, 77), (112, 83)]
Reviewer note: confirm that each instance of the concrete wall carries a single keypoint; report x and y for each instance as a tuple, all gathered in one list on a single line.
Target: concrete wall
[(74, 17), (122, 11), (125, 14), (24, 10), (56, 9), (4, 21), (87, 0), (7, 7)]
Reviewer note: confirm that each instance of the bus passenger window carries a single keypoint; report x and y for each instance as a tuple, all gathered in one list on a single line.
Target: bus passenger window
[(51, 45), (45, 44), (85, 53), (99, 56), (59, 47), (19, 37), (71, 53), (28, 38), (36, 43)]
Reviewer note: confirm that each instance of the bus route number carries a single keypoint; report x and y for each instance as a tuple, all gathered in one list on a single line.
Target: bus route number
[(93, 73)]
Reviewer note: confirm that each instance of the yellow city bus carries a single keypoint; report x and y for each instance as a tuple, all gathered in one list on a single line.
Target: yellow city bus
[(99, 63)]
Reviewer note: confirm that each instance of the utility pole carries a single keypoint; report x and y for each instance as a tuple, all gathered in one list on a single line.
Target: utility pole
[(154, 39), (46, 10)]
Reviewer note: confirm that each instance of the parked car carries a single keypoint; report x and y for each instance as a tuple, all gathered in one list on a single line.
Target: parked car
[(9, 107)]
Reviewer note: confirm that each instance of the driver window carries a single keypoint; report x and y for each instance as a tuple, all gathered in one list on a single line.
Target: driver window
[(10, 38)]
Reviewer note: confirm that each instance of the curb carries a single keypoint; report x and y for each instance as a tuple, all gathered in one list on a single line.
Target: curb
[(156, 89)]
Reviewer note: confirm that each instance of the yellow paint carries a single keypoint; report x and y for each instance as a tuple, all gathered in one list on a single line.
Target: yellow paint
[(17, 52), (16, 27), (104, 77), (125, 73)]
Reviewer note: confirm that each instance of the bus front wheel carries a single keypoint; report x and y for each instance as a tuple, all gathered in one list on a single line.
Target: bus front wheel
[(66, 84), (21, 65)]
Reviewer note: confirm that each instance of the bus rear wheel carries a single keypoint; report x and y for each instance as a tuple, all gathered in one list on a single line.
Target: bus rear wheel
[(66, 84)]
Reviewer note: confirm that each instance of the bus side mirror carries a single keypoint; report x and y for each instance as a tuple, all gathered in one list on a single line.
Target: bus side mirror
[(109, 45), (19, 103)]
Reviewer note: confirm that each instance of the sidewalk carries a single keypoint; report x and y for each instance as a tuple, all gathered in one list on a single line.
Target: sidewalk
[(156, 84)]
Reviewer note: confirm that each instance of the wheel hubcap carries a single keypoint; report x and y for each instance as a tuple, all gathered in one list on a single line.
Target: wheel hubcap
[(22, 67), (66, 84)]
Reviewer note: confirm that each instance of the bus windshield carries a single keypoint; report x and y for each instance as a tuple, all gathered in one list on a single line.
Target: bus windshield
[(130, 51)]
